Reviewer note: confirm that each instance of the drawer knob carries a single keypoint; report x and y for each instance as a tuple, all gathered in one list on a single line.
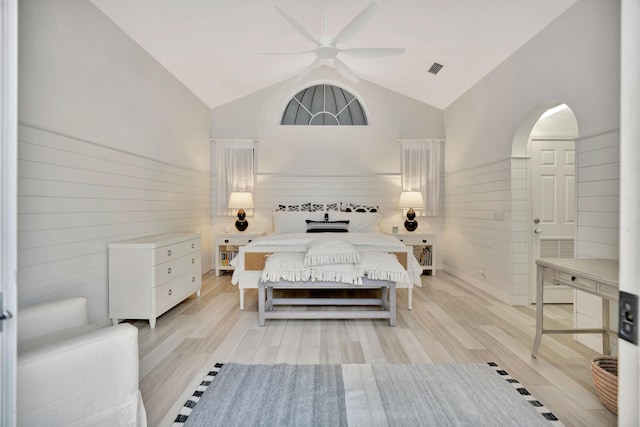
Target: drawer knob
[(169, 252), (226, 240), (193, 279), (193, 260), (401, 240), (170, 292), (193, 245), (169, 270), (250, 240), (573, 278), (424, 240)]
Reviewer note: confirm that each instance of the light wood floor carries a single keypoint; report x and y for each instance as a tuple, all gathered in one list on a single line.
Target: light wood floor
[(451, 322)]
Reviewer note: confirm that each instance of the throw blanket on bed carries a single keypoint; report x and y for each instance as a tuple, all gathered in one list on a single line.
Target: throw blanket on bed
[(340, 264)]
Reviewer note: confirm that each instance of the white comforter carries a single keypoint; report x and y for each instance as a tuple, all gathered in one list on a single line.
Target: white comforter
[(299, 241)]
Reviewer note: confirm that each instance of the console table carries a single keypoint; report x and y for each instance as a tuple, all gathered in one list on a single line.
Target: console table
[(595, 276)]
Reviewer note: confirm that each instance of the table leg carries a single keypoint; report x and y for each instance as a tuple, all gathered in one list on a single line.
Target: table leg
[(605, 325), (539, 309), (241, 290), (261, 303)]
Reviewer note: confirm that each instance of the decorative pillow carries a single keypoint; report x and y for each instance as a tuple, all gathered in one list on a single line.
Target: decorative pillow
[(350, 207), (358, 222), (293, 222), (285, 266), (309, 207), (330, 251), (382, 266), (342, 273), (303, 207), (327, 226)]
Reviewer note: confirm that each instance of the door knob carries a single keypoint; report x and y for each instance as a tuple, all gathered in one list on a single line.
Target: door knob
[(537, 231), (536, 221)]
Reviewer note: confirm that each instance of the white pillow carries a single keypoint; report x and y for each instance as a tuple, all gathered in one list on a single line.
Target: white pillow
[(324, 251), (359, 222), (294, 222)]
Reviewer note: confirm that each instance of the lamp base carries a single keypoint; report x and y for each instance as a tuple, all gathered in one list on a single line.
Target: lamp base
[(411, 225), (242, 223)]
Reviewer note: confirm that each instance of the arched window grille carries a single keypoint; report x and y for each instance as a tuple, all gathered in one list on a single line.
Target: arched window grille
[(324, 105)]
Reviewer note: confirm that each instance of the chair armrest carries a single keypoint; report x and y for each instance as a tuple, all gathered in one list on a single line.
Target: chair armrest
[(90, 379), (42, 319)]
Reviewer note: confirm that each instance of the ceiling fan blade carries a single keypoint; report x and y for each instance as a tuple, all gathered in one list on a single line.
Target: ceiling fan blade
[(285, 53), (297, 25), (356, 23), (344, 70), (307, 70), (373, 52)]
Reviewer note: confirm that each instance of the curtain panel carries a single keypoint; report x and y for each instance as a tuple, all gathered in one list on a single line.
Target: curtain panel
[(421, 171), (235, 170)]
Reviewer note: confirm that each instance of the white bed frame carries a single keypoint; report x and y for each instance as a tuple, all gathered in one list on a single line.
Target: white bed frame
[(252, 258)]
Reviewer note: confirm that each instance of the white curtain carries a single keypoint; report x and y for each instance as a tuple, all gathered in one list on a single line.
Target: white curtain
[(234, 170), (421, 171)]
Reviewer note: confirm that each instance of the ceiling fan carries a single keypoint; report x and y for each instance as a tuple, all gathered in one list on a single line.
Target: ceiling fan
[(326, 48)]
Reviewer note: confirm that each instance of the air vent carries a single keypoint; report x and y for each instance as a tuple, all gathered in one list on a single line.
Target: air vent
[(435, 68)]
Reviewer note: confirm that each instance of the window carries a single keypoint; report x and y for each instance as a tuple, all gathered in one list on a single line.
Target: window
[(421, 171), (324, 105)]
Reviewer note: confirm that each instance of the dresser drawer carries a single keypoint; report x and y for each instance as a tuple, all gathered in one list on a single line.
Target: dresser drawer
[(169, 270), (577, 281), (176, 250), (176, 290), (235, 240), (417, 240)]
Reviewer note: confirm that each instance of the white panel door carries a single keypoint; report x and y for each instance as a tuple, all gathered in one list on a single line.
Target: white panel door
[(553, 210)]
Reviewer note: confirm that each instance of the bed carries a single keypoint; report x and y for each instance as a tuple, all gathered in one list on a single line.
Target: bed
[(294, 232)]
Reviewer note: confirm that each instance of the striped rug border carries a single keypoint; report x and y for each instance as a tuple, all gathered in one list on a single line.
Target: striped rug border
[(546, 413), (188, 406)]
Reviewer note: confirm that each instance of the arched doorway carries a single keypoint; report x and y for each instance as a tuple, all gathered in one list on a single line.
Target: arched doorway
[(552, 195), (544, 193)]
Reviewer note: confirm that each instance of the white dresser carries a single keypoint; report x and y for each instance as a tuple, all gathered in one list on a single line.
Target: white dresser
[(150, 275)]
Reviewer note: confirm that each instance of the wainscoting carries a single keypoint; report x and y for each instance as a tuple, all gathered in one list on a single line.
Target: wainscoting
[(598, 192), (76, 196), (477, 241)]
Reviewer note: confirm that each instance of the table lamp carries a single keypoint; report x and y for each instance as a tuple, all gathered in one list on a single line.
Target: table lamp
[(410, 200), (241, 200)]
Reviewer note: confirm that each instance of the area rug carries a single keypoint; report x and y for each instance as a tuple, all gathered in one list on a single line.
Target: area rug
[(362, 395)]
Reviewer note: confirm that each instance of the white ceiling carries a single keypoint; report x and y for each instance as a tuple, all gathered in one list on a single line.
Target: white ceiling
[(211, 45)]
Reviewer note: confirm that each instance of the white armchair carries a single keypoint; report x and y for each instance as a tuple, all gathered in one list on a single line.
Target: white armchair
[(73, 373)]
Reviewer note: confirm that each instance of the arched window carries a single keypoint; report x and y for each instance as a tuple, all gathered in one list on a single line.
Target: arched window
[(324, 105)]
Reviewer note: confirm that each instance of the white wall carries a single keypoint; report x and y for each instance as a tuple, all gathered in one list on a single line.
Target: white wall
[(111, 146), (575, 60), (359, 164)]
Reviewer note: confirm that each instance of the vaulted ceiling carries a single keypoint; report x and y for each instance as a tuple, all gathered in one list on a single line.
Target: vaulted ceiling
[(213, 46)]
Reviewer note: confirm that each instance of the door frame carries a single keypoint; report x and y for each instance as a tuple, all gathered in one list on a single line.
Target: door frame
[(8, 197)]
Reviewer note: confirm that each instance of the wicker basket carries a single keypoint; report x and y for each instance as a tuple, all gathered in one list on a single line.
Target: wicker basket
[(604, 371)]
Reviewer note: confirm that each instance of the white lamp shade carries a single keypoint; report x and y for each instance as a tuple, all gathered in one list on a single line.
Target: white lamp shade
[(240, 200), (411, 199)]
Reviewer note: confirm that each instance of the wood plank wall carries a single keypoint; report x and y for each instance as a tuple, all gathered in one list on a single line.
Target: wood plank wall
[(598, 204), (477, 239), (76, 196)]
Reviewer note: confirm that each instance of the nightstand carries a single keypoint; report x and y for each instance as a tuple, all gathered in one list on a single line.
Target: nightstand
[(424, 249), (226, 247)]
